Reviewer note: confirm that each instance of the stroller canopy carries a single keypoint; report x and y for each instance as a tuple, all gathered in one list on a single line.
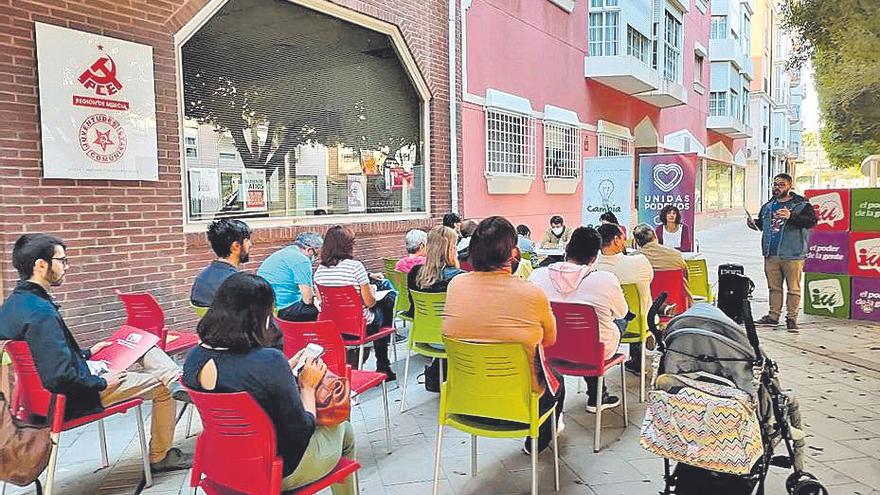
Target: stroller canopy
[(703, 338)]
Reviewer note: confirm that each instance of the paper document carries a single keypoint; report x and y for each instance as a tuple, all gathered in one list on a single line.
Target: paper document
[(128, 345)]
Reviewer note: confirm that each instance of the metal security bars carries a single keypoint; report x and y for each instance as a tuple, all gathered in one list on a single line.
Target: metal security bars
[(561, 151), (510, 143), (611, 145)]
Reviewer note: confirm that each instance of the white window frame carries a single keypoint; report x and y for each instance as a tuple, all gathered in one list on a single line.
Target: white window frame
[(599, 43), (510, 143), (613, 140), (699, 66), (638, 45), (561, 144), (672, 48), (720, 26), (734, 104), (191, 143), (718, 103), (746, 35)]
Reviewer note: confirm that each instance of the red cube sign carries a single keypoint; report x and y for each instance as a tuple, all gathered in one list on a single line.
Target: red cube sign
[(864, 254), (832, 208)]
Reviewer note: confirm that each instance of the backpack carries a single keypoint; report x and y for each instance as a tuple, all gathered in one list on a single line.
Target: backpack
[(733, 288), (24, 448)]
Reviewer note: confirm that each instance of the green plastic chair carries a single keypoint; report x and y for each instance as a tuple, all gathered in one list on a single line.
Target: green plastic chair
[(426, 330), (491, 381), (401, 304), (698, 280), (201, 311), (389, 265), (637, 329)]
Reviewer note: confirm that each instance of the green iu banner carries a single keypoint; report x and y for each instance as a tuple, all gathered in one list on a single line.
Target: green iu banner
[(826, 295)]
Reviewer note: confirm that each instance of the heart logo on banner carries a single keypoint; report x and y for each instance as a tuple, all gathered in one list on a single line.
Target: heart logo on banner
[(667, 176)]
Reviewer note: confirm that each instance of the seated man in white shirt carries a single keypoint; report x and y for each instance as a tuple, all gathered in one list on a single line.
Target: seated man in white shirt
[(576, 281), (630, 269)]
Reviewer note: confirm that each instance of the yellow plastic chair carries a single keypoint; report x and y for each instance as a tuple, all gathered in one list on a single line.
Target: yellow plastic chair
[(698, 280), (389, 265), (201, 311), (491, 381), (426, 330), (401, 304), (637, 330)]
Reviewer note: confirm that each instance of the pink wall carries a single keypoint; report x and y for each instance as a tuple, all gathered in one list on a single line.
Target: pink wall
[(535, 50)]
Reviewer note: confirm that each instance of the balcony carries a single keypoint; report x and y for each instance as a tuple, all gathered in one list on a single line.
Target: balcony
[(727, 49), (668, 94), (779, 147), (622, 72), (729, 126)]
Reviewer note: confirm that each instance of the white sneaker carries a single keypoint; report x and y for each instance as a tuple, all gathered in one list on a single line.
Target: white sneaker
[(560, 425)]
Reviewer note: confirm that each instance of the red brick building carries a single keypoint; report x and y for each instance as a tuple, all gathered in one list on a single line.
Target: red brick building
[(387, 56)]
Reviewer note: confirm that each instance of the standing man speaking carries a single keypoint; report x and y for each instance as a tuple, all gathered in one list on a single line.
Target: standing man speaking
[(784, 222)]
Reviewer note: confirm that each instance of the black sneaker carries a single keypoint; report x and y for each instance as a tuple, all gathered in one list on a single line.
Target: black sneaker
[(608, 402), (791, 325), (632, 367), (766, 320), (175, 460), (391, 376)]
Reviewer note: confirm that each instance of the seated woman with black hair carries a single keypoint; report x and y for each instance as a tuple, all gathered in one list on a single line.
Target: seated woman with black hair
[(232, 357)]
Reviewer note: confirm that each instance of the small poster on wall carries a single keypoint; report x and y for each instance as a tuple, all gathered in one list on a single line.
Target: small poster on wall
[(204, 191), (357, 193), (231, 191), (255, 190), (97, 106)]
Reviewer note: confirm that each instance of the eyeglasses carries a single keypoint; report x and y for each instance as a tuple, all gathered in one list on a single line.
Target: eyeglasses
[(63, 261), (780, 184)]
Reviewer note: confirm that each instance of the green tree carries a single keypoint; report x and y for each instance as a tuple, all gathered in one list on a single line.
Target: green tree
[(840, 38)]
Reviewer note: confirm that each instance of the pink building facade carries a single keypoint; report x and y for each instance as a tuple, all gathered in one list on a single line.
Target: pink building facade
[(592, 71)]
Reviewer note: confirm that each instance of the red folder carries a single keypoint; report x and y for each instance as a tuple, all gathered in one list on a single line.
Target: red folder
[(128, 345)]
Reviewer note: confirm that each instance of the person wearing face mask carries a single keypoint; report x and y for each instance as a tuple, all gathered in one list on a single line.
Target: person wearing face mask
[(489, 304), (231, 242), (558, 234), (629, 269), (289, 272), (784, 223)]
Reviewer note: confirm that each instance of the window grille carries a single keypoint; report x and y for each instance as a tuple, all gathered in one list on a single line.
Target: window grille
[(561, 151), (510, 143), (611, 145)]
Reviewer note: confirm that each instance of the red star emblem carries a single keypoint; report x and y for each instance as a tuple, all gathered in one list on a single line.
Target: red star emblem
[(103, 140)]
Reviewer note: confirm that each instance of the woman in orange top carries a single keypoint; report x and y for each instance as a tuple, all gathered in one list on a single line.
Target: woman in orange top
[(491, 305)]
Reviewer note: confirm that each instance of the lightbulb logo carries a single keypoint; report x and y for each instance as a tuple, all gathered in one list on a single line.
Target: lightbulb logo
[(868, 254), (826, 294), (606, 188), (829, 208)]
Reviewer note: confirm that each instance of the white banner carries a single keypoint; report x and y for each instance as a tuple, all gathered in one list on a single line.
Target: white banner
[(608, 186), (97, 106), (204, 191)]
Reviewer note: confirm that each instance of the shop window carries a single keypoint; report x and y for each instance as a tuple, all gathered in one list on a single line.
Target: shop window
[(739, 187), (308, 113), (561, 151), (718, 186), (510, 143)]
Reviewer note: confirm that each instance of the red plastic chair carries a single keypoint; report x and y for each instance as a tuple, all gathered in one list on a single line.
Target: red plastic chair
[(143, 311), (673, 283), (344, 306), (236, 452), (298, 335), (30, 399), (578, 351)]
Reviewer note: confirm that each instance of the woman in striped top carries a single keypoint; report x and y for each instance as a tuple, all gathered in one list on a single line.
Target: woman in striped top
[(339, 269)]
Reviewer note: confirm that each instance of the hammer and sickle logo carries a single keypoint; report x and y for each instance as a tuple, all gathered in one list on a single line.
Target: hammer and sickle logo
[(101, 76)]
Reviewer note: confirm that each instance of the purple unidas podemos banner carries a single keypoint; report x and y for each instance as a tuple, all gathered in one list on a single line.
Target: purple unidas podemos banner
[(668, 178), (828, 252)]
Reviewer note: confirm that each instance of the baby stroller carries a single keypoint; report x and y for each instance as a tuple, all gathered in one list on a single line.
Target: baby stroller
[(717, 410)]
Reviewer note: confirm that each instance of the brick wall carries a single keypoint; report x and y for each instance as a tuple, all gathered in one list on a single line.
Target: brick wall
[(129, 234)]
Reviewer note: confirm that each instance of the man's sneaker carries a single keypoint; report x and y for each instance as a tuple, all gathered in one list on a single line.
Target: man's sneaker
[(766, 320), (791, 325), (560, 425), (179, 392), (391, 376), (608, 402), (175, 460)]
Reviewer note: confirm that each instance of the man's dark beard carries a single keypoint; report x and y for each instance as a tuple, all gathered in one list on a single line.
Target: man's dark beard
[(244, 257)]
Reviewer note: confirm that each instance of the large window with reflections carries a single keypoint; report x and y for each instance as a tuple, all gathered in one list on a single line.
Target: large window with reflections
[(289, 112)]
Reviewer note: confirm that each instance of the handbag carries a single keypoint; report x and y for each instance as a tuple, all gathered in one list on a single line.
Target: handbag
[(24, 447), (332, 400), (707, 425)]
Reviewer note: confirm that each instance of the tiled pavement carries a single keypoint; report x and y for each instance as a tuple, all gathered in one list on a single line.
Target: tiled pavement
[(833, 366)]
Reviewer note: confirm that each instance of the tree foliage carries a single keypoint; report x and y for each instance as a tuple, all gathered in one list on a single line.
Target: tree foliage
[(842, 40)]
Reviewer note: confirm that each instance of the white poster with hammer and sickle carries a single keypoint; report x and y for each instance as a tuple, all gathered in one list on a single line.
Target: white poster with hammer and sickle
[(97, 106)]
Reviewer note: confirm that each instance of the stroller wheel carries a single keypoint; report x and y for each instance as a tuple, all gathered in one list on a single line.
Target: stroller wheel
[(804, 483)]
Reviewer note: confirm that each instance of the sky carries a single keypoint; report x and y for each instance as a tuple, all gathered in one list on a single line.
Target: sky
[(810, 104)]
